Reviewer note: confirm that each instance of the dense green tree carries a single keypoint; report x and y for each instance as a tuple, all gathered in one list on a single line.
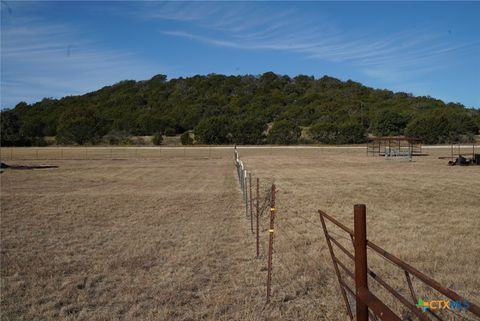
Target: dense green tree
[(284, 132), (10, 129), (213, 130), (430, 129), (351, 132), (389, 123), (442, 127), (324, 132), (248, 130), (79, 126)]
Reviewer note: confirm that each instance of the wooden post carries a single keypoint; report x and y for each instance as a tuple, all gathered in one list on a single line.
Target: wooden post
[(361, 282)]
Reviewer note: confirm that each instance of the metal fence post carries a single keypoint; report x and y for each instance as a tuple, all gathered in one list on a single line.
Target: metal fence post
[(251, 200), (245, 193), (361, 282), (270, 244), (258, 214)]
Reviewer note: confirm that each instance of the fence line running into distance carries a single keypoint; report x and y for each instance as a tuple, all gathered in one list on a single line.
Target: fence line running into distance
[(361, 304)]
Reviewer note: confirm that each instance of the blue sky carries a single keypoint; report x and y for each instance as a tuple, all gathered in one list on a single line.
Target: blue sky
[(54, 49)]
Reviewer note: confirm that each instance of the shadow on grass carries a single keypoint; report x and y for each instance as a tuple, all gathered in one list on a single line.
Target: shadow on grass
[(25, 167)]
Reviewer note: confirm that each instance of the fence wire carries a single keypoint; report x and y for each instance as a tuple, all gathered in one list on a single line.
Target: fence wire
[(281, 254)]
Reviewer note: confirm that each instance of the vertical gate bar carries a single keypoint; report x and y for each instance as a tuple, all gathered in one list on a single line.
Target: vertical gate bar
[(335, 266), (270, 244), (361, 281), (258, 214), (410, 286)]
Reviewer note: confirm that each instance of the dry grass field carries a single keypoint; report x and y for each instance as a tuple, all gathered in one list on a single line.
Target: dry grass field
[(146, 234)]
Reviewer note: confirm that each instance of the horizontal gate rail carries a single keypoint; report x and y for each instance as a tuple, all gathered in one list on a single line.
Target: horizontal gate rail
[(363, 295)]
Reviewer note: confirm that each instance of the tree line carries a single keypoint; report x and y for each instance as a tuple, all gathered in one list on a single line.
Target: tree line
[(219, 109)]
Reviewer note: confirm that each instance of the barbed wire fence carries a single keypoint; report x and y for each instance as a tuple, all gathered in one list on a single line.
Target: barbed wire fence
[(296, 235), (279, 243)]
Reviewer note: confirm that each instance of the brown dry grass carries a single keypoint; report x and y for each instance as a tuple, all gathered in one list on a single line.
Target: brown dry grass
[(164, 236)]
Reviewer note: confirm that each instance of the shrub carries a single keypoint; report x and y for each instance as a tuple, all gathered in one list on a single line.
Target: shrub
[(349, 132), (115, 137), (169, 132), (157, 139), (125, 141), (138, 141), (186, 139)]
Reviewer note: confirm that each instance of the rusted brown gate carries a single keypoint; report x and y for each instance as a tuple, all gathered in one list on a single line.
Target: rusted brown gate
[(366, 303)]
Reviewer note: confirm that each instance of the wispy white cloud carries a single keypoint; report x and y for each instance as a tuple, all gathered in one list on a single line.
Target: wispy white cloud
[(40, 59), (392, 58)]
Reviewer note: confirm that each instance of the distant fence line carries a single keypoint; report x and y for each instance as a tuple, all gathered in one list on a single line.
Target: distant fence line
[(154, 152), (361, 304), (106, 153), (145, 152)]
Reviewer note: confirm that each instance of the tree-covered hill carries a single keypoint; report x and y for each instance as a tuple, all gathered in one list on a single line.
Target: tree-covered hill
[(220, 109)]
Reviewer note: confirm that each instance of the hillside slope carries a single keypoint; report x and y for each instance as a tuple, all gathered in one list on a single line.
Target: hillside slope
[(237, 109)]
